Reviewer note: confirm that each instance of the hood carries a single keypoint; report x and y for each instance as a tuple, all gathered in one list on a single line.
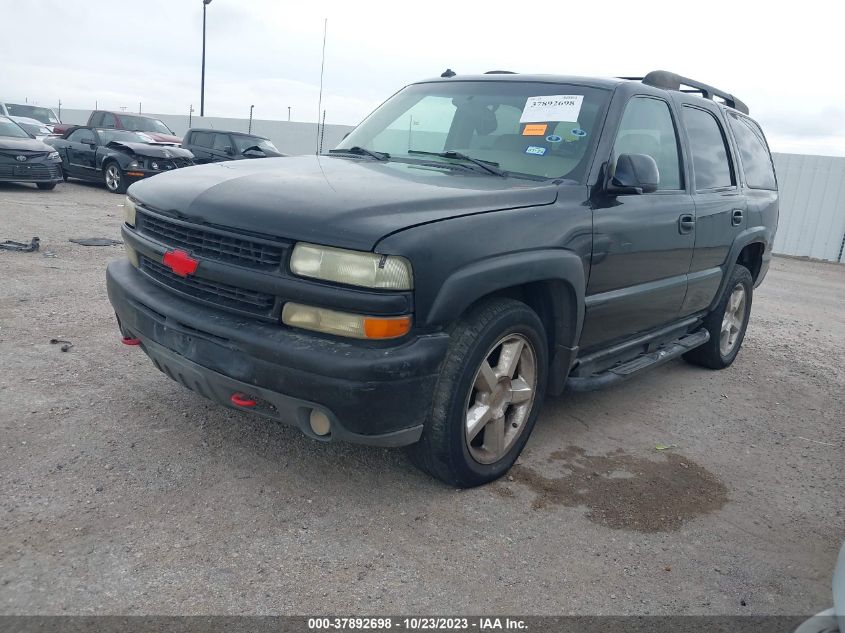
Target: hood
[(164, 138), (23, 144), (153, 151), (344, 202)]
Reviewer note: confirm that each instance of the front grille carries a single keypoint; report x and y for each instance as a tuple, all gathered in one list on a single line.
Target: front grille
[(199, 240), (24, 171), (10, 156), (224, 295)]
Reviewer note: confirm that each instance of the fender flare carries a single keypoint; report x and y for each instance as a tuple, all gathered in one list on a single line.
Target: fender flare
[(753, 235), (467, 285)]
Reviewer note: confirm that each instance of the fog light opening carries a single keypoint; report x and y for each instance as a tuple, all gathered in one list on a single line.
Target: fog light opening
[(320, 423)]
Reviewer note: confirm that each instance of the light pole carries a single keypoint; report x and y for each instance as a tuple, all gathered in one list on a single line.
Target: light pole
[(205, 4)]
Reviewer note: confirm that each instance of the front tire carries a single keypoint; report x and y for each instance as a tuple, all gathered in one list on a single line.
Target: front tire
[(488, 395), (727, 323), (114, 178)]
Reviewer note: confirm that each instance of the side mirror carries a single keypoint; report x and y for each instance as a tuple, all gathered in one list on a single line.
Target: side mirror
[(229, 151), (88, 141), (633, 173)]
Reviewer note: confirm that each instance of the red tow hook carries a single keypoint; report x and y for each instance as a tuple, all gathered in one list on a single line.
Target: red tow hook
[(128, 340), (242, 400)]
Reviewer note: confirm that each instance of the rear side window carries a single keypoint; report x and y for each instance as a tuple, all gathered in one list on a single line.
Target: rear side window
[(97, 120), (754, 153), (647, 128), (109, 120), (710, 157)]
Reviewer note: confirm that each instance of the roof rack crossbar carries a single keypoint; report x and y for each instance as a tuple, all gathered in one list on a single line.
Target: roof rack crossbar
[(670, 81)]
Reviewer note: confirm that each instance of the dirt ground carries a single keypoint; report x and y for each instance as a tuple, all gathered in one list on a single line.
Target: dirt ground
[(124, 493)]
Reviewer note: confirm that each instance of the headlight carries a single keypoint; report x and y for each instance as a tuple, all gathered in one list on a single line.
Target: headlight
[(351, 267), (344, 323), (53, 156), (129, 211)]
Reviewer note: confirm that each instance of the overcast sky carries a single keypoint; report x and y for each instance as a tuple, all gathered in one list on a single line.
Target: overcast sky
[(781, 61)]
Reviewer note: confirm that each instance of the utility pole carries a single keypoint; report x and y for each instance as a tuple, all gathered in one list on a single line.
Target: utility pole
[(190, 113), (60, 109), (205, 4), (288, 114), (139, 107), (249, 131)]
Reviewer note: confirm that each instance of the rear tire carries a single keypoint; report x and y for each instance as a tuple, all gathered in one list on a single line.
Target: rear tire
[(726, 323), (114, 177), (46, 186), (488, 395)]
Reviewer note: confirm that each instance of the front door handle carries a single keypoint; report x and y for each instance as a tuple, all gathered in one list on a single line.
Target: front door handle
[(736, 217), (686, 223)]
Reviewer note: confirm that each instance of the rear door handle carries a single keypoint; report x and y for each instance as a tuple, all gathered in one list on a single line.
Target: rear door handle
[(736, 217), (686, 223)]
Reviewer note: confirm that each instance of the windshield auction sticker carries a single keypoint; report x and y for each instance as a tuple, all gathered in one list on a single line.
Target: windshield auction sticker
[(552, 108)]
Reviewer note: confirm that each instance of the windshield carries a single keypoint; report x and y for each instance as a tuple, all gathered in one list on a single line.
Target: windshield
[(45, 115), (10, 128), (34, 128), (532, 128), (144, 124), (243, 143), (125, 136)]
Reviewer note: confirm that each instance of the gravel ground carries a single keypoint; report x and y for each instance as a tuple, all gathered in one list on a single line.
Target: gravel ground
[(124, 493)]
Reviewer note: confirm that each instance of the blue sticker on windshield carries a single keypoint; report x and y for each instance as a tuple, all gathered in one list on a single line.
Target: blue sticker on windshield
[(533, 149), (579, 132), (554, 138)]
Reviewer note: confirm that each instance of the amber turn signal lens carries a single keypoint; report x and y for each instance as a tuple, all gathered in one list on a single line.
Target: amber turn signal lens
[(386, 328)]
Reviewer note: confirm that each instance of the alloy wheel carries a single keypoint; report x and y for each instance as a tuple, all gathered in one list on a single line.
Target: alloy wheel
[(500, 399), (733, 320), (112, 177)]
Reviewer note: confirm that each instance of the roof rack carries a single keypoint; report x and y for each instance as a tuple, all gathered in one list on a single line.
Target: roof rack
[(670, 81), (500, 72)]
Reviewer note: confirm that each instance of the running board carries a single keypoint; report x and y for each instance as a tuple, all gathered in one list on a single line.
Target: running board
[(622, 372)]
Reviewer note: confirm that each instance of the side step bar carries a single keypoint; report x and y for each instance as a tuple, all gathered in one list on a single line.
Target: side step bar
[(622, 372)]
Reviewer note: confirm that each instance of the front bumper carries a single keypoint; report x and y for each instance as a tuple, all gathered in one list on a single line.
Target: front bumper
[(371, 394), (31, 172)]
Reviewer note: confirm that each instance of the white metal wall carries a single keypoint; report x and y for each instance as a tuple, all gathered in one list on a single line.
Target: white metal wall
[(812, 206)]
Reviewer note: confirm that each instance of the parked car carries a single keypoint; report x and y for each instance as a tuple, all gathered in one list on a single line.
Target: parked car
[(116, 157), (476, 243), (25, 159), (47, 116), (33, 127), (154, 128), (212, 146)]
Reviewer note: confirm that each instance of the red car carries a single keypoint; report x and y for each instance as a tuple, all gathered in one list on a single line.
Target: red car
[(151, 126)]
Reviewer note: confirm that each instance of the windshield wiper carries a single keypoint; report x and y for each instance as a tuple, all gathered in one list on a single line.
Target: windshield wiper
[(357, 149), (487, 165)]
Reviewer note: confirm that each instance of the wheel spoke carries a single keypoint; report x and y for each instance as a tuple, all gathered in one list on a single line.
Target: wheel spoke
[(494, 436), (486, 380), (509, 358), (520, 391), (477, 417)]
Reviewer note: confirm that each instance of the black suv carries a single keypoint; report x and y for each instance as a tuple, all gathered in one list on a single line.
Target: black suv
[(212, 146), (476, 243)]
